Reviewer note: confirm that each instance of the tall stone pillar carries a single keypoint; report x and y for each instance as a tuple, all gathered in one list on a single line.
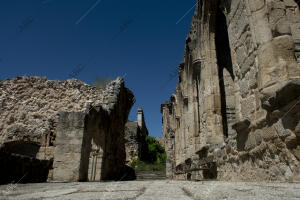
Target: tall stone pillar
[(140, 118), (210, 75), (68, 162)]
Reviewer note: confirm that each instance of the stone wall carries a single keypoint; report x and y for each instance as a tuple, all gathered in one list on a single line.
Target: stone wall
[(65, 122), (135, 138), (235, 112)]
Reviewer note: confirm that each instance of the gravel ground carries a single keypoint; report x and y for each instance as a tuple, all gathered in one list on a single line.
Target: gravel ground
[(148, 190)]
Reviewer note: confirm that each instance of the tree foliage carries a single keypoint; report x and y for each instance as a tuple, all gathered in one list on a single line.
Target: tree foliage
[(155, 152), (154, 158)]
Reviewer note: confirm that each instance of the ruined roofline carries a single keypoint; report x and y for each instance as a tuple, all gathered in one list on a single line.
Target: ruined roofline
[(45, 98), (57, 122)]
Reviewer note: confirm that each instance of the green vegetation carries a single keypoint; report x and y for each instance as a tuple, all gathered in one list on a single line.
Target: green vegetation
[(139, 165), (155, 152), (154, 158)]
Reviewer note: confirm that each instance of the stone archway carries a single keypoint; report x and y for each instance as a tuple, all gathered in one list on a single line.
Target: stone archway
[(94, 152), (90, 146)]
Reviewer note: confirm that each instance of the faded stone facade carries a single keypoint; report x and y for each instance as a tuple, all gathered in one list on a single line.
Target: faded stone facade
[(135, 137), (235, 114), (62, 130)]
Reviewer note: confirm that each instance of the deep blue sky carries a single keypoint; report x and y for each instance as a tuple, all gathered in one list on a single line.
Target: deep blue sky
[(139, 39)]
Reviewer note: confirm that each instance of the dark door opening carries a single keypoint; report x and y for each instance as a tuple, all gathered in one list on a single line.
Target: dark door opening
[(20, 165)]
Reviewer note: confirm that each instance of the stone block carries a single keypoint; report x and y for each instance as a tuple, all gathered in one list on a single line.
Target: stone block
[(276, 15), (283, 27), (290, 3), (295, 29), (276, 5), (269, 133), (250, 142), (261, 27), (74, 148), (296, 152), (242, 23), (230, 101), (248, 106), (258, 137), (244, 86), (252, 78), (241, 55), (291, 141), (281, 131), (256, 5), (249, 64), (273, 59)]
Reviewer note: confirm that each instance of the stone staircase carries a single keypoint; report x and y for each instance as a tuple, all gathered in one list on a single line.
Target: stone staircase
[(150, 175)]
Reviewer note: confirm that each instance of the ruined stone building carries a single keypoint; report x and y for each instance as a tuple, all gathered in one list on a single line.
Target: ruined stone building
[(235, 114), (135, 137), (62, 130)]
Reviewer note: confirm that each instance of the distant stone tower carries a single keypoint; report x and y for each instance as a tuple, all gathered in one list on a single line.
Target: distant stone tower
[(135, 135), (141, 119)]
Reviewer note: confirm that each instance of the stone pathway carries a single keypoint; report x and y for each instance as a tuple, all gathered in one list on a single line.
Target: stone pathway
[(150, 175), (152, 190)]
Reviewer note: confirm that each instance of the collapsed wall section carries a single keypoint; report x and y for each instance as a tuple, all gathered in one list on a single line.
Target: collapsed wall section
[(61, 120)]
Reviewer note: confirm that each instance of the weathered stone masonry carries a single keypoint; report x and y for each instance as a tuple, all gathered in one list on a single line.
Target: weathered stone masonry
[(234, 114), (62, 130), (135, 138)]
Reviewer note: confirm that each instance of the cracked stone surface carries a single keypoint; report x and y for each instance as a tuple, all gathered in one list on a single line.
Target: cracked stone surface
[(148, 190)]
